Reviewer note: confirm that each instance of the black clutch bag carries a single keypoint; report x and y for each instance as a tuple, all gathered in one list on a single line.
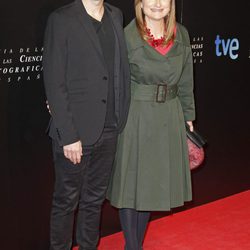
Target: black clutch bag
[(195, 137)]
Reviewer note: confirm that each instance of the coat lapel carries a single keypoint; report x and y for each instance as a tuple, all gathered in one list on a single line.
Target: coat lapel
[(118, 29), (116, 23)]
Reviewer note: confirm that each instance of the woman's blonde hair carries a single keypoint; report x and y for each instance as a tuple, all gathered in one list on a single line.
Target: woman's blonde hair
[(170, 22)]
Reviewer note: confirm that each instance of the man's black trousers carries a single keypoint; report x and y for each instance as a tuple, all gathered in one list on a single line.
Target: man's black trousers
[(81, 186)]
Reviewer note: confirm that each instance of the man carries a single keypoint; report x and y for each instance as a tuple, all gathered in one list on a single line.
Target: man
[(86, 76)]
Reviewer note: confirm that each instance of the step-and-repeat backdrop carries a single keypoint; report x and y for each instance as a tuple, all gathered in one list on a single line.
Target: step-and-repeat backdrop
[(219, 33)]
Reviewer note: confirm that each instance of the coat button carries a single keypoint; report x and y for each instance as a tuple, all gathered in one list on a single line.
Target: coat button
[(104, 101), (105, 78)]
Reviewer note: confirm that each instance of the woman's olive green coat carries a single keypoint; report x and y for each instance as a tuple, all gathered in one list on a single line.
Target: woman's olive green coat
[(151, 170)]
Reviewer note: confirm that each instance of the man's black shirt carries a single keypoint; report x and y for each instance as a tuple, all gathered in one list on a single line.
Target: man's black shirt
[(105, 32)]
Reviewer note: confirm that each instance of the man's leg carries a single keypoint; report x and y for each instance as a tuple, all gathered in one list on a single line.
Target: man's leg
[(65, 199), (96, 178)]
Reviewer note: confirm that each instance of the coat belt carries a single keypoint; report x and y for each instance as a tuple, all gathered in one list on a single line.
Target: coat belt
[(159, 93)]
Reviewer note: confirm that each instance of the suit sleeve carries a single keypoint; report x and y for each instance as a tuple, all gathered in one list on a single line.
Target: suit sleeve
[(54, 67), (185, 86)]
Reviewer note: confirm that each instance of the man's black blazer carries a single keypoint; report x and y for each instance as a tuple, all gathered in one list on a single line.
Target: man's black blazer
[(76, 76)]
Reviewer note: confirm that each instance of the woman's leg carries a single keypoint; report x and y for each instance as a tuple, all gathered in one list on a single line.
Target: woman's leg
[(134, 224), (128, 220), (142, 222)]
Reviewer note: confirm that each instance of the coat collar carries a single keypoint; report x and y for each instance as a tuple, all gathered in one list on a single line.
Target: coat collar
[(137, 42)]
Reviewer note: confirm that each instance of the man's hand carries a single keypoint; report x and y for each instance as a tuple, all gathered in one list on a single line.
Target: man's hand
[(73, 152), (190, 124)]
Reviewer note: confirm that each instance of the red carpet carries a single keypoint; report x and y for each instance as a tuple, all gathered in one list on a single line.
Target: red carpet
[(219, 225)]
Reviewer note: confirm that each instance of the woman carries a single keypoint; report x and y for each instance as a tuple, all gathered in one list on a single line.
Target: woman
[(152, 167)]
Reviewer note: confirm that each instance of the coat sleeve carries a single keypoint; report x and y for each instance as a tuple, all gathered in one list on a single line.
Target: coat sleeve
[(185, 86), (54, 69)]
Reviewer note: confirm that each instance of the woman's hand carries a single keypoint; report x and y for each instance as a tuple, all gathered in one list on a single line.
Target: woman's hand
[(190, 124)]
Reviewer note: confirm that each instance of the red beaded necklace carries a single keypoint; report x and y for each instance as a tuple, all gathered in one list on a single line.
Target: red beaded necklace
[(154, 42)]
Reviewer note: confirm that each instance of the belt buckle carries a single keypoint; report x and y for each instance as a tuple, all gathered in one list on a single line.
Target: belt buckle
[(161, 97)]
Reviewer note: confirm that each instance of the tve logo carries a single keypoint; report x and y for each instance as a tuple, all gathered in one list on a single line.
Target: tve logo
[(227, 47)]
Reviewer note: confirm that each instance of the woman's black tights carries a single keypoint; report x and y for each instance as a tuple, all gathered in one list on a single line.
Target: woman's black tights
[(134, 224)]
